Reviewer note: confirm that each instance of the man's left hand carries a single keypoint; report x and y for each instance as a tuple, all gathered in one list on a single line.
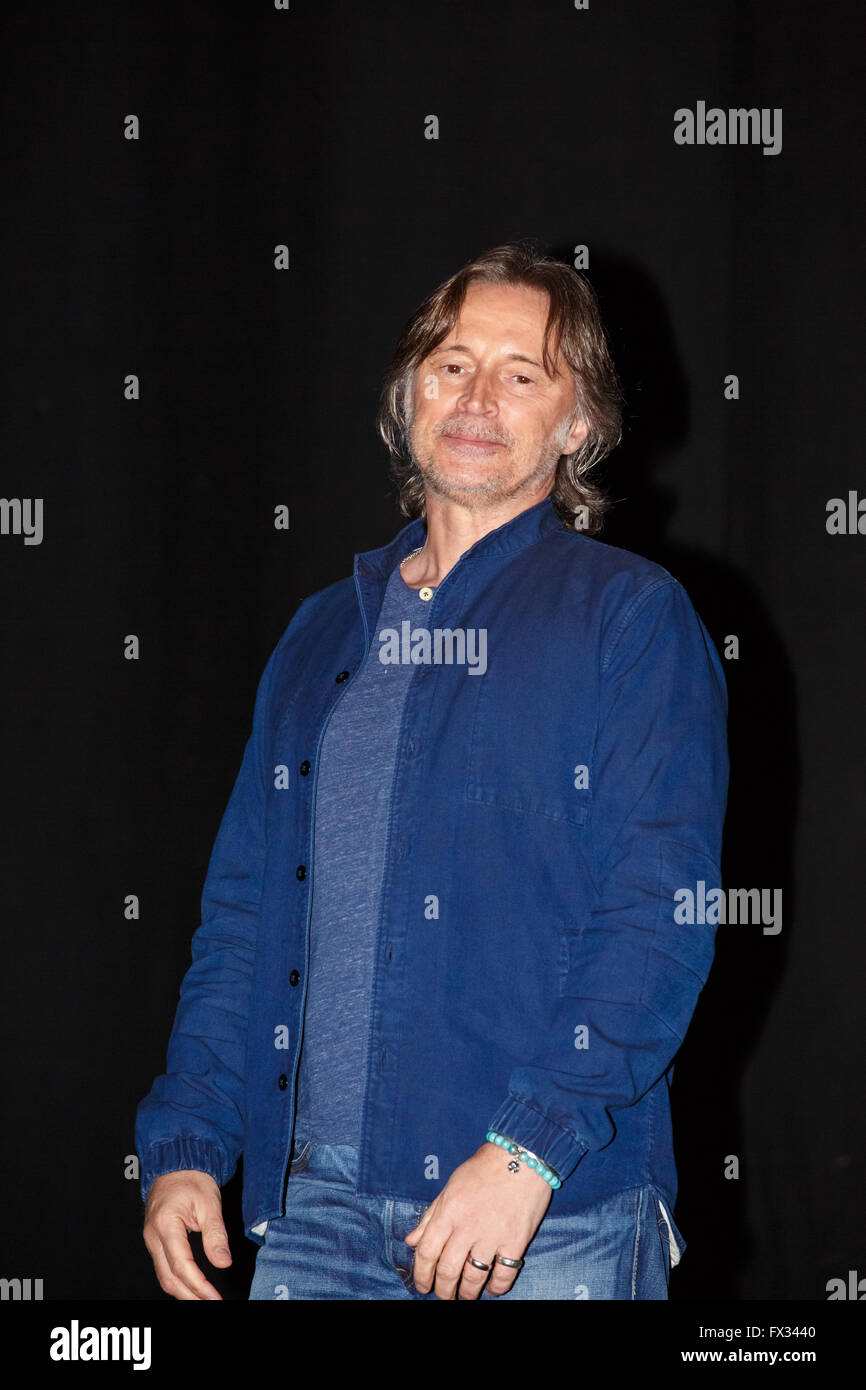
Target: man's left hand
[(483, 1210)]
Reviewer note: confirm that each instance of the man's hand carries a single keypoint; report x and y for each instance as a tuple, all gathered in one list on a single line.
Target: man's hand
[(177, 1203), (483, 1210)]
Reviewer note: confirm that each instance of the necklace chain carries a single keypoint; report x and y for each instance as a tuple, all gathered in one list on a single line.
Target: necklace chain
[(428, 589)]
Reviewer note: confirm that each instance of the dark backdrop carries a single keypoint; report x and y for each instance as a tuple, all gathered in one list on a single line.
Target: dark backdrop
[(258, 387)]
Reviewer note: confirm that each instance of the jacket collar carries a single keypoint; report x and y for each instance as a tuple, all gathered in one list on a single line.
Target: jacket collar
[(522, 530)]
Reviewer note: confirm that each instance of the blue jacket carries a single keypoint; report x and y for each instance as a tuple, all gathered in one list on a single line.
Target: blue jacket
[(530, 974)]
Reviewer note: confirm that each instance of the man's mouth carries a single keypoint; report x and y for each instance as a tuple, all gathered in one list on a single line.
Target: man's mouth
[(469, 441)]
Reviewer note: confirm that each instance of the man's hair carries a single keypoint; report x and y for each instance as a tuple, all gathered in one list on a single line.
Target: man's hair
[(573, 325)]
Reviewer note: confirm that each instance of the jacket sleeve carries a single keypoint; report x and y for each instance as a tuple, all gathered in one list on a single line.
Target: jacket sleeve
[(658, 805), (193, 1115)]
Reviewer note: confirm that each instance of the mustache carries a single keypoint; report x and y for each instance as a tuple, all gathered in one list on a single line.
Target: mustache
[(468, 432)]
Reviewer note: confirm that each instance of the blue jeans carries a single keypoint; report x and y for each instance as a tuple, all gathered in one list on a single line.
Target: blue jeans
[(331, 1243)]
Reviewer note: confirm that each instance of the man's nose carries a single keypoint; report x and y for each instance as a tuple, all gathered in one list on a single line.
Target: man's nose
[(479, 393)]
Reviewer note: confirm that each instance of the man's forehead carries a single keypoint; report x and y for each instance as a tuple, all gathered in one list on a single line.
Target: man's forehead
[(512, 343), (519, 304)]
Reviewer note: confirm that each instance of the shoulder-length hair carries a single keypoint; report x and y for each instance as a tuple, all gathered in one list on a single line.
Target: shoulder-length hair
[(573, 326)]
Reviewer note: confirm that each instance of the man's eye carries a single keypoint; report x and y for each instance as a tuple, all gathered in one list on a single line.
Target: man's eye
[(458, 367)]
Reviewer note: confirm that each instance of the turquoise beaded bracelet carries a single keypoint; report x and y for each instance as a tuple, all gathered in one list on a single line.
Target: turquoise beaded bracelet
[(524, 1156)]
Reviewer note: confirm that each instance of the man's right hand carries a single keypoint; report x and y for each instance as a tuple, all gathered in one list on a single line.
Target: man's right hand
[(177, 1203)]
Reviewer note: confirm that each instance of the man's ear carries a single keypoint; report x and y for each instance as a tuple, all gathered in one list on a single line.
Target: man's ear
[(576, 435)]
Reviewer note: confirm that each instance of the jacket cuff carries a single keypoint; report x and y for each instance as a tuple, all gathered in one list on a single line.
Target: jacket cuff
[(172, 1155), (558, 1148)]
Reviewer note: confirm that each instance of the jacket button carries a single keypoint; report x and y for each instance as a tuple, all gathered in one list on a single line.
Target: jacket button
[(305, 767), (283, 1081), (301, 872), (343, 676), (294, 978)]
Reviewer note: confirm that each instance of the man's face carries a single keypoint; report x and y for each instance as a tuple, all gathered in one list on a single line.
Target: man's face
[(486, 423)]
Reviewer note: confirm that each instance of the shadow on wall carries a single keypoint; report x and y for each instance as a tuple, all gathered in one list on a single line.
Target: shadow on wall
[(763, 794)]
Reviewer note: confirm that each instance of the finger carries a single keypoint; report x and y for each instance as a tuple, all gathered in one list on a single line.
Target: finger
[(502, 1277), (472, 1280), (182, 1265), (450, 1266), (426, 1255), (415, 1235), (167, 1282), (215, 1242)]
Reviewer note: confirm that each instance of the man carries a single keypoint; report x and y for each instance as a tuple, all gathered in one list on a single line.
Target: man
[(439, 917)]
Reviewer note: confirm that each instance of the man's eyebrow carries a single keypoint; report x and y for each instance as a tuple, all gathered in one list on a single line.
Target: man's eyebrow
[(510, 357)]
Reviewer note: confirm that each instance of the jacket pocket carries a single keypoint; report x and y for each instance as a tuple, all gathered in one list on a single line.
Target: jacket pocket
[(528, 755)]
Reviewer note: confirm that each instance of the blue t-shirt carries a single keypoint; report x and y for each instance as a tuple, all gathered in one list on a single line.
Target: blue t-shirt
[(356, 772)]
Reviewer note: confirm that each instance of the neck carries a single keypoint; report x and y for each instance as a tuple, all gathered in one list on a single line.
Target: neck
[(452, 529)]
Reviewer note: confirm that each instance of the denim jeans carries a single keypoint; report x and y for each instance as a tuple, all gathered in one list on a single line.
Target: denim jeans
[(333, 1244)]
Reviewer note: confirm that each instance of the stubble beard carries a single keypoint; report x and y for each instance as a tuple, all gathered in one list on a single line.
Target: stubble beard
[(499, 486)]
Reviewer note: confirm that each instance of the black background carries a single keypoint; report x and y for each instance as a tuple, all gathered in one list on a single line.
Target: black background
[(259, 387)]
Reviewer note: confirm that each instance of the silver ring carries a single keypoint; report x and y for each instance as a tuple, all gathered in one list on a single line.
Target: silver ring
[(511, 1264), (477, 1263)]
